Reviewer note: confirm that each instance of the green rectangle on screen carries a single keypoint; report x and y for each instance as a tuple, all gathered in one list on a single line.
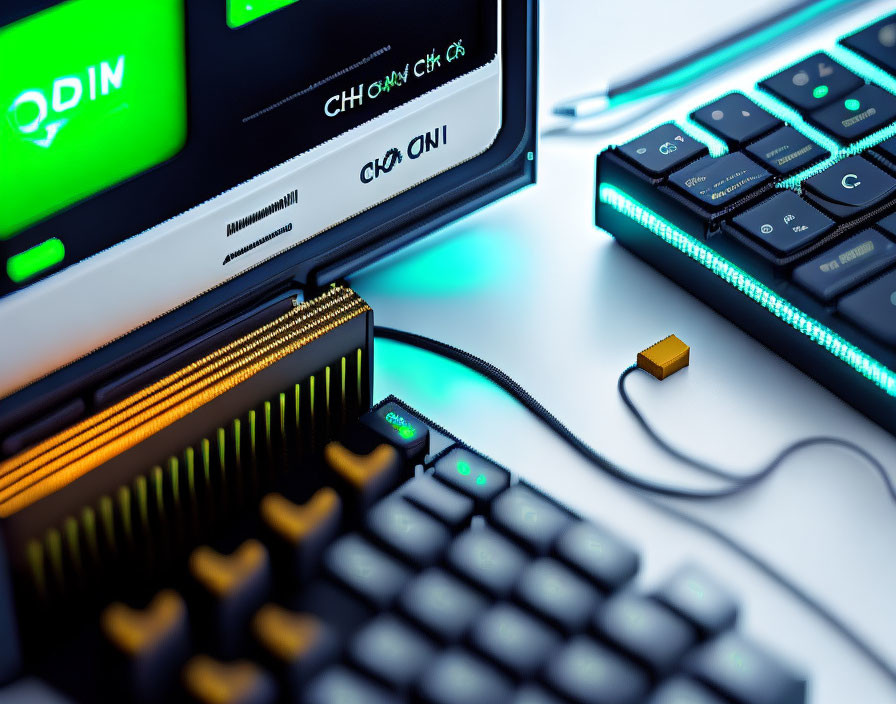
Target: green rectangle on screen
[(92, 92), (240, 12)]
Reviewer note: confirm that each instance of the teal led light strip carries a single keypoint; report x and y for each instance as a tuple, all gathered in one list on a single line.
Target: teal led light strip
[(861, 362)]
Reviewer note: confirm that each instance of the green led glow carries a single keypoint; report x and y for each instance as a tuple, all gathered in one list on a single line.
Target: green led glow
[(848, 353), (819, 92), (481, 480), (402, 427), (240, 12), (98, 95), (35, 260), (713, 62), (852, 104), (463, 468)]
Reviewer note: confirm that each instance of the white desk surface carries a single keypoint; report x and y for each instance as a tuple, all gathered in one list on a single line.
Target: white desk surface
[(532, 286)]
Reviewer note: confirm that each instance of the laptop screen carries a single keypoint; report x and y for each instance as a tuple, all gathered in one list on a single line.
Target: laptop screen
[(152, 150)]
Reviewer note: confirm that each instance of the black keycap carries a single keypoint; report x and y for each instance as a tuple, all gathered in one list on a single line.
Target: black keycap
[(846, 265), (737, 119), (450, 507), (602, 557), (488, 560), (784, 223), (391, 651), (294, 646), (339, 684), (342, 611), (786, 151), (149, 646), (663, 149), (513, 639), (887, 149), (856, 115), (397, 426), (812, 83), (745, 673), (529, 518), (364, 569), (716, 182), (698, 597), (229, 590), (876, 43), (532, 694), (649, 632), (587, 673), (459, 677), (475, 476), (849, 187), (408, 531), (873, 308), (888, 225), (683, 691), (442, 604), (557, 594)]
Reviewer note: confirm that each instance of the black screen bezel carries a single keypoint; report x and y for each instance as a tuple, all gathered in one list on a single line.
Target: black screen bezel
[(508, 165)]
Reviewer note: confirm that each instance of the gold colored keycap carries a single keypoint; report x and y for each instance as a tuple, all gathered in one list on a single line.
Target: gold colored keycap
[(665, 357), (223, 575), (135, 632), (294, 522), (287, 635), (213, 682), (360, 471)]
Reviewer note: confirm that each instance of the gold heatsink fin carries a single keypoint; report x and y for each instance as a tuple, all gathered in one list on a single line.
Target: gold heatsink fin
[(58, 461)]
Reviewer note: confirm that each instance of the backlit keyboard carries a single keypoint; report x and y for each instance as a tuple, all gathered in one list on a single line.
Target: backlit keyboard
[(775, 205), (391, 564)]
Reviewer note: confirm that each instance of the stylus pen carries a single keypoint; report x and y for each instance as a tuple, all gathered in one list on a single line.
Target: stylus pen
[(696, 65)]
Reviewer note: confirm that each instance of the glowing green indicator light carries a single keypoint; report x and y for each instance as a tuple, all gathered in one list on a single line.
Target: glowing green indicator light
[(402, 427), (819, 92), (481, 480), (35, 260), (852, 104), (463, 468), (240, 12)]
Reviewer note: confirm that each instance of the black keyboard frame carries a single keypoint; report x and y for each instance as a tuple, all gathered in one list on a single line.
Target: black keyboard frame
[(720, 267)]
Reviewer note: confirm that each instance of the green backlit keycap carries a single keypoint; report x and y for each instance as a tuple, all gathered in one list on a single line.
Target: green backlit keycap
[(475, 476), (398, 427)]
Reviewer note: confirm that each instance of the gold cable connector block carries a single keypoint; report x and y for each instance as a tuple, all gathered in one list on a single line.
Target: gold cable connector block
[(665, 357)]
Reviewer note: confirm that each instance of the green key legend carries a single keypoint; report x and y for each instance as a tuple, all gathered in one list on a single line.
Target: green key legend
[(92, 93), (401, 426)]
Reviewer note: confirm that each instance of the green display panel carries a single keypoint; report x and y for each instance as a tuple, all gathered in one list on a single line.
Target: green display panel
[(240, 12), (92, 92)]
